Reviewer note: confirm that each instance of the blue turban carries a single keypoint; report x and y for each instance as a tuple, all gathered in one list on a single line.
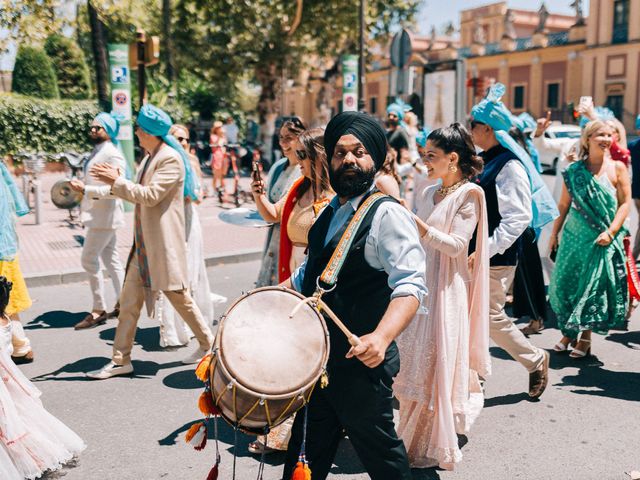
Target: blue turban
[(11, 204), (399, 108), (111, 124), (522, 122), (638, 122), (157, 122), (494, 113), (602, 113), (421, 137)]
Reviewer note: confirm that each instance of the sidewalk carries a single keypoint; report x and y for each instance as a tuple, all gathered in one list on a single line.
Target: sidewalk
[(50, 252)]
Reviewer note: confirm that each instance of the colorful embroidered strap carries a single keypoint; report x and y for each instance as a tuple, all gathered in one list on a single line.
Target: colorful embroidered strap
[(330, 274)]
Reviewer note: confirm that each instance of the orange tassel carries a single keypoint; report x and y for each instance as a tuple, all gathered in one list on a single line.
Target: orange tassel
[(197, 436), (206, 405), (202, 370), (302, 472), (213, 474)]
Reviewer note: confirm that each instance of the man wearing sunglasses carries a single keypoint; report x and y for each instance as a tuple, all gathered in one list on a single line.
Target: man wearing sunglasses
[(102, 215)]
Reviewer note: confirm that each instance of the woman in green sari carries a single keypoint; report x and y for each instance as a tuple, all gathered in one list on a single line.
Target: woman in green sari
[(588, 290)]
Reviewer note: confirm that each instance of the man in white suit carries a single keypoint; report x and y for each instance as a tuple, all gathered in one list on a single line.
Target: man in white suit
[(102, 216)]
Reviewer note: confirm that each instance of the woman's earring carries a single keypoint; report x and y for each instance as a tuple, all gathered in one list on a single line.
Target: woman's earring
[(453, 168)]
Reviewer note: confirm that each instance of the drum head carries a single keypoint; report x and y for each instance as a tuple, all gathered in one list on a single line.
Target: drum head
[(268, 352)]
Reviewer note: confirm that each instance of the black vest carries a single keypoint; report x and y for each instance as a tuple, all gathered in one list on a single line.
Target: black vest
[(361, 295), (494, 161)]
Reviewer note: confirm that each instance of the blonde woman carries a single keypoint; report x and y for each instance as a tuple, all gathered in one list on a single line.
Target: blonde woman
[(588, 289)]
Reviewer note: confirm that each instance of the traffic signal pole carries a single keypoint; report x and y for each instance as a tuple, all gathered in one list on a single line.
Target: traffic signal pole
[(361, 60)]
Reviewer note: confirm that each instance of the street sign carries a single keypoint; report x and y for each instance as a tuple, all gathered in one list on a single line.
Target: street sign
[(121, 98), (349, 83), (401, 49)]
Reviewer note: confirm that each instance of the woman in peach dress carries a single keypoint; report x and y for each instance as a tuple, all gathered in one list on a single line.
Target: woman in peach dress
[(445, 349)]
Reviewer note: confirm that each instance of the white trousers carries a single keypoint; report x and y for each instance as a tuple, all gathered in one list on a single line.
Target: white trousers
[(100, 244), (502, 329)]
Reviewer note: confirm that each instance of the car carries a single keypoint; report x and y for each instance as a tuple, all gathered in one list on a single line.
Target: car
[(561, 134)]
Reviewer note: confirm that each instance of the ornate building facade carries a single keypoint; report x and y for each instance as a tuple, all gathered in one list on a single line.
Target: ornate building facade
[(547, 61)]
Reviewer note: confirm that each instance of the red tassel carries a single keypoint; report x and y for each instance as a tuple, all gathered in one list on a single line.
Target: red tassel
[(213, 474), (206, 405), (202, 370), (302, 472)]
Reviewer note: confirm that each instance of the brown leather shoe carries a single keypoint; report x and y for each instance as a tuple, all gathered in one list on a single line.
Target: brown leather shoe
[(90, 321), (538, 379), (28, 358)]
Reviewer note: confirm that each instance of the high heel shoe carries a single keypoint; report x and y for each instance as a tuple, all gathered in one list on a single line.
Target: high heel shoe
[(575, 353), (561, 347)]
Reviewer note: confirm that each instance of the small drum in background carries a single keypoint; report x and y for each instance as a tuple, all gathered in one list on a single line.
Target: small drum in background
[(265, 365), (65, 197)]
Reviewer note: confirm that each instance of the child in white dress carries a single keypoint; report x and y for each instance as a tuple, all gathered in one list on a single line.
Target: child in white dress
[(32, 441)]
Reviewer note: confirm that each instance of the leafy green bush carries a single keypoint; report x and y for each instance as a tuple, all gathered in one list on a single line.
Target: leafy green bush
[(52, 126), (33, 74), (70, 67)]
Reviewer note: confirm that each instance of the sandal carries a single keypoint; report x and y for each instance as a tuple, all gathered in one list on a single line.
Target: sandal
[(561, 347), (534, 326), (576, 353), (258, 448)]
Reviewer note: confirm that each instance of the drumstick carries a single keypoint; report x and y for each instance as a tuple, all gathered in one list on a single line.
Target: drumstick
[(353, 339)]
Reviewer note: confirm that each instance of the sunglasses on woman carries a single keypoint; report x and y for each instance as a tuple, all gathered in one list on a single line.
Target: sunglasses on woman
[(182, 139), (301, 154), (474, 123)]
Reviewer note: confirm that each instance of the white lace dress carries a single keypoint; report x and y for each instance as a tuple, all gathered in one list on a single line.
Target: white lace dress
[(32, 440)]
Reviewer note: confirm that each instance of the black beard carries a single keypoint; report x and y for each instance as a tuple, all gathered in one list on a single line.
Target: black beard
[(95, 140), (393, 123), (353, 185)]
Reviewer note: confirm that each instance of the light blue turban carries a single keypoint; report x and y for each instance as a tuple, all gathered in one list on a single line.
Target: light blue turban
[(638, 122), (11, 204), (494, 113), (421, 137), (157, 122), (111, 124), (522, 122), (399, 108), (602, 113)]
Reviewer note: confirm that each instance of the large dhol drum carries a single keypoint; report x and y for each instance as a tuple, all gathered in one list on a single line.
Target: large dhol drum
[(265, 365)]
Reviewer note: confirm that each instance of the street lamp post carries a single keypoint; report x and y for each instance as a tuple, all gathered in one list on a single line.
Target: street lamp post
[(361, 67)]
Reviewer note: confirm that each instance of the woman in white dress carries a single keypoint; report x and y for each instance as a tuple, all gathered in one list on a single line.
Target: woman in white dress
[(174, 331), (445, 349), (32, 441)]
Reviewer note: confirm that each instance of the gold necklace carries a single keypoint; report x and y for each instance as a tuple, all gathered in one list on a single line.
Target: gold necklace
[(444, 191)]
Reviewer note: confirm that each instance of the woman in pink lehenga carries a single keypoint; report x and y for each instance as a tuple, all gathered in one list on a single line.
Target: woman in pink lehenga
[(32, 441), (445, 349)]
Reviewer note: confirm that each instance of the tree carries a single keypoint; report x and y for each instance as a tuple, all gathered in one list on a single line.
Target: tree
[(269, 37), (29, 21), (70, 67), (167, 43), (33, 74), (99, 48)]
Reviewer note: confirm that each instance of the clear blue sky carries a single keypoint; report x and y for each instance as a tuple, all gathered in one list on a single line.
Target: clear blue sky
[(438, 12)]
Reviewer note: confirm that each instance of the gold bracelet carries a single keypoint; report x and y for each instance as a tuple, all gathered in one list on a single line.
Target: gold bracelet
[(609, 233)]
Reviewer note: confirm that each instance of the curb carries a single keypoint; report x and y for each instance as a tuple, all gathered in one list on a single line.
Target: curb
[(65, 277)]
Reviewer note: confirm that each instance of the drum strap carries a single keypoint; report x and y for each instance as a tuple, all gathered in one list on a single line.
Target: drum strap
[(330, 274)]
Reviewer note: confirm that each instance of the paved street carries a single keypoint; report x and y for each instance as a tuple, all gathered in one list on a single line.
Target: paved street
[(584, 427)]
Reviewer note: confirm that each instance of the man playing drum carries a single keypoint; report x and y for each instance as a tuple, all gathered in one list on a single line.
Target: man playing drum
[(378, 291)]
